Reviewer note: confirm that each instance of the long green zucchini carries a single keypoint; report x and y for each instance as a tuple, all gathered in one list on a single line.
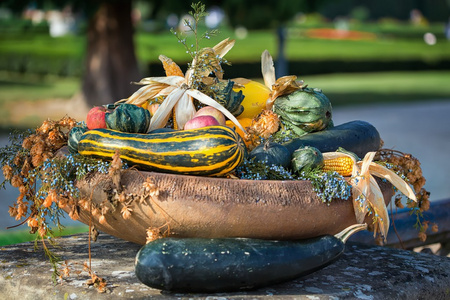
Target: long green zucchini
[(358, 137), (213, 150), (233, 264)]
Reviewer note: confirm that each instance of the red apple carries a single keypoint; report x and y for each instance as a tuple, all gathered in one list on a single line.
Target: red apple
[(153, 108), (201, 121), (96, 118), (211, 111)]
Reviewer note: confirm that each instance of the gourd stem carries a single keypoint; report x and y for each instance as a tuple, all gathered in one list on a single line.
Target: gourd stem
[(349, 231)]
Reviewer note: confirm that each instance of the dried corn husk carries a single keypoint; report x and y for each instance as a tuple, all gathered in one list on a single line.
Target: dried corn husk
[(366, 193), (279, 87), (178, 88)]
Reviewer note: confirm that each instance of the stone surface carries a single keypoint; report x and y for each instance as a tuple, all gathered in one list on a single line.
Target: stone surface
[(362, 272)]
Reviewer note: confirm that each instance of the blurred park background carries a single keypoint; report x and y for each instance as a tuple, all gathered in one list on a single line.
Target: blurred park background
[(373, 59)]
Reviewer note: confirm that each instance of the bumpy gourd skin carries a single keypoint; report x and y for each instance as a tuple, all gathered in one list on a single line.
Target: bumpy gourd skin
[(305, 110), (306, 157), (223, 265), (128, 118), (225, 95)]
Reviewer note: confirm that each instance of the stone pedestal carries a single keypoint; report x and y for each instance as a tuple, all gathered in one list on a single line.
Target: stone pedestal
[(363, 272)]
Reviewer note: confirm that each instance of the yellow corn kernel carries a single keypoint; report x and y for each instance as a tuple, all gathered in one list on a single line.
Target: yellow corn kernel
[(175, 125), (170, 67), (342, 165)]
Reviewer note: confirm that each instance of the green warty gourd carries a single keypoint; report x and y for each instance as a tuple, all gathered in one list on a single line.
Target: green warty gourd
[(223, 93), (305, 110)]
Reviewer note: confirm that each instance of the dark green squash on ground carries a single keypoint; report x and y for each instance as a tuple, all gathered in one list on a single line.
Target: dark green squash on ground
[(233, 264)]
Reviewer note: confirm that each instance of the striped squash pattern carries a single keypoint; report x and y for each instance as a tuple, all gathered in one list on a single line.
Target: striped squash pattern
[(207, 151)]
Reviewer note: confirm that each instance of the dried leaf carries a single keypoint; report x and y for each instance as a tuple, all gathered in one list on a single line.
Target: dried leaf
[(144, 93), (74, 214), (164, 111), (102, 220), (223, 47), (267, 69), (114, 170), (209, 62), (365, 164), (240, 82), (211, 102), (359, 204), (184, 110), (397, 181), (94, 233), (376, 200), (126, 212), (168, 80), (283, 86)]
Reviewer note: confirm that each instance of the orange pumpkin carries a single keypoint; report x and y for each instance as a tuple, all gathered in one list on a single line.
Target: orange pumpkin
[(245, 122)]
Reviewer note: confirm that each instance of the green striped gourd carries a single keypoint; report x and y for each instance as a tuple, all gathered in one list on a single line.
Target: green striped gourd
[(207, 151)]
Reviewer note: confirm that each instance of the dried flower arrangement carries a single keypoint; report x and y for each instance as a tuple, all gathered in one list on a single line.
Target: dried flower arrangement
[(46, 175)]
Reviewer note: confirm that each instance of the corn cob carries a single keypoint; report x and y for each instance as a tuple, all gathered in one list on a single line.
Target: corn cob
[(342, 165), (171, 69)]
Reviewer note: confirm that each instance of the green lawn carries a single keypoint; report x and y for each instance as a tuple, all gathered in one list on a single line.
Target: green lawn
[(10, 237), (28, 87), (42, 44), (17, 92), (341, 89), (150, 45), (383, 87)]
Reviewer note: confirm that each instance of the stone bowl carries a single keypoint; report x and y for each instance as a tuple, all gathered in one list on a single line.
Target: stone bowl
[(194, 206)]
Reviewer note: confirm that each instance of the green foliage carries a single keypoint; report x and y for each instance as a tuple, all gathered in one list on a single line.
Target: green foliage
[(261, 14), (58, 173), (11, 237), (39, 53), (9, 152), (204, 60), (261, 170), (198, 13), (327, 185)]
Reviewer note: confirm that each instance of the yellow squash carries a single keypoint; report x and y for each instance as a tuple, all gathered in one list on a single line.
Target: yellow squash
[(256, 95)]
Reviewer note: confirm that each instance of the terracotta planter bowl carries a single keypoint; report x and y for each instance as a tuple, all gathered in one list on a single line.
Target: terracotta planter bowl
[(217, 207)]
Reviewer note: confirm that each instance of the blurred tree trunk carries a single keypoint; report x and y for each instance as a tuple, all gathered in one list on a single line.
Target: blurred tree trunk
[(281, 64), (111, 63)]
